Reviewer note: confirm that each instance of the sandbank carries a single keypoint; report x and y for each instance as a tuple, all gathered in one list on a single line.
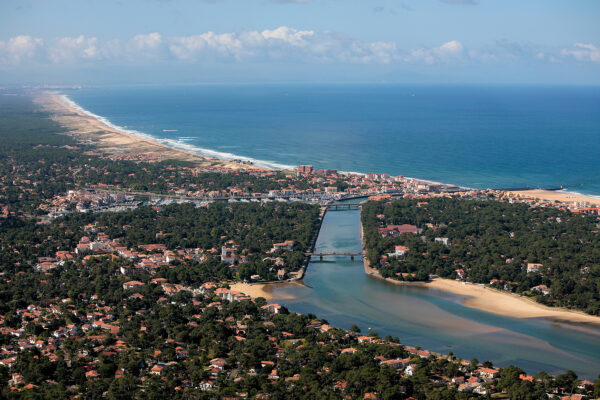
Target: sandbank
[(495, 301), (265, 290), (253, 290), (509, 304)]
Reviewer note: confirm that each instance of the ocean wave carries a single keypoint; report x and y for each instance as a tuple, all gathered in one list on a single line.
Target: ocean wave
[(567, 191), (181, 145)]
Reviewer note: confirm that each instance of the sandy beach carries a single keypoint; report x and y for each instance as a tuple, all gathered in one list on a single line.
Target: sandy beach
[(509, 304), (90, 131), (494, 301), (265, 290), (253, 290), (551, 196)]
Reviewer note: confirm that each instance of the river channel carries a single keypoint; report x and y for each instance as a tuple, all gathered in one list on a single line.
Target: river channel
[(338, 290)]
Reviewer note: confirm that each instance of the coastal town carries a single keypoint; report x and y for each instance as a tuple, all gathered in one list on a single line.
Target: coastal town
[(299, 200), (303, 184), (119, 268)]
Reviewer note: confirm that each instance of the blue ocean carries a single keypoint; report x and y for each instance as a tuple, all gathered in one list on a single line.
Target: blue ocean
[(472, 136)]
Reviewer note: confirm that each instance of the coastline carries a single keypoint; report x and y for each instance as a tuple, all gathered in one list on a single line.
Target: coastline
[(90, 130), (94, 130), (491, 300)]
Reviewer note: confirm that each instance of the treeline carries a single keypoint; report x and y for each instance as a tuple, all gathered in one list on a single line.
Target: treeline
[(493, 241)]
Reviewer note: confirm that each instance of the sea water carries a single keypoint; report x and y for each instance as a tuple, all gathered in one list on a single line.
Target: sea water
[(473, 136)]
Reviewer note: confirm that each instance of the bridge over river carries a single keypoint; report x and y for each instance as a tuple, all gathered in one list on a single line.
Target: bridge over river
[(321, 255)]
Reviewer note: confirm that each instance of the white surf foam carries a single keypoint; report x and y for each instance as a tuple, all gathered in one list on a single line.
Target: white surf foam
[(179, 144), (567, 191)]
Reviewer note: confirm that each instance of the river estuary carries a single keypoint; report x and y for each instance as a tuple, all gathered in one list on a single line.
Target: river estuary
[(340, 292)]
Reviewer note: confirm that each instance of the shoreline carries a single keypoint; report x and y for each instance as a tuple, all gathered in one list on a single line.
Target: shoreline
[(97, 131), (492, 300), (89, 129), (264, 290)]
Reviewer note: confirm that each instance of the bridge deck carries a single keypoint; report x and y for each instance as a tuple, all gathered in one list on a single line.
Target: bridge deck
[(333, 254)]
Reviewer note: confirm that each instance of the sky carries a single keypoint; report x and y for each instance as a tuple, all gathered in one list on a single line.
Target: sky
[(104, 42)]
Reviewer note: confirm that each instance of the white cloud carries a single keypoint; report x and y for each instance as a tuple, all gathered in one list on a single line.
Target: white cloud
[(224, 45), (150, 41), (19, 48), (288, 35), (448, 51), (282, 44), (582, 52), (69, 49)]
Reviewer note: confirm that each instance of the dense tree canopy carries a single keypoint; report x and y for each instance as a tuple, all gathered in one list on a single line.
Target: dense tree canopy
[(493, 241)]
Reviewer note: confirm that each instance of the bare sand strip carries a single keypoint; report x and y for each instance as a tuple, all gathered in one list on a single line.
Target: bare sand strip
[(254, 290), (90, 131), (510, 304), (265, 290), (494, 301), (552, 196)]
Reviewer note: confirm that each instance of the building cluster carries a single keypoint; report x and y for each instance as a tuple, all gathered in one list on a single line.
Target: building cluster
[(96, 323), (151, 257), (88, 201)]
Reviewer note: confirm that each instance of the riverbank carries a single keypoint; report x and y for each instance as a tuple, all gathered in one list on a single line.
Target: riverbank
[(253, 290), (89, 130), (491, 300), (265, 290), (510, 304)]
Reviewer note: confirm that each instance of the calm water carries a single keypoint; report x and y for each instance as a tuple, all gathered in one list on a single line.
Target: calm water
[(471, 136), (343, 294)]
